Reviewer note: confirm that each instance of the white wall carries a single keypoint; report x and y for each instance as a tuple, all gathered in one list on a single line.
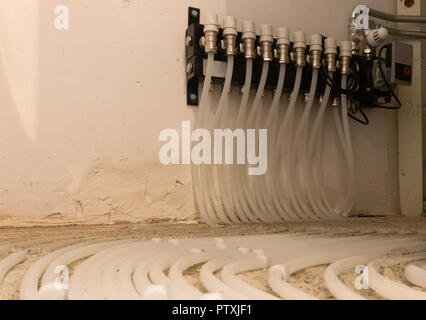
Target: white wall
[(81, 109)]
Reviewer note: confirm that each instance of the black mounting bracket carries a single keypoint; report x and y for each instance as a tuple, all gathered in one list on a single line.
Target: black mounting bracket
[(193, 51)]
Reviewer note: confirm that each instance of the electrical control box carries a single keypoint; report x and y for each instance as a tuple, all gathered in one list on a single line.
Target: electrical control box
[(401, 57)]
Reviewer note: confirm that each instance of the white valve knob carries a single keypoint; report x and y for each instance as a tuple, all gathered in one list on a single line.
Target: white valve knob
[(230, 26), (316, 42), (299, 39), (249, 30), (266, 33), (330, 45), (346, 49), (211, 22), (283, 36)]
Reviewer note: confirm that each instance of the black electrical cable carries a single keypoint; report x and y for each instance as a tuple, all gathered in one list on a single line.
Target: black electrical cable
[(365, 122), (391, 91)]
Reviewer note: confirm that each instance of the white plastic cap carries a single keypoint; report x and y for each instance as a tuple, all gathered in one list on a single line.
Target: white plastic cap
[(346, 49), (249, 30), (330, 45), (316, 42), (230, 26), (300, 39), (211, 22), (283, 36), (266, 33), (376, 37)]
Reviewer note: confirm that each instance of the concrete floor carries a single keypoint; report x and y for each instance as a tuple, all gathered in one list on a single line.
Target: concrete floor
[(42, 240)]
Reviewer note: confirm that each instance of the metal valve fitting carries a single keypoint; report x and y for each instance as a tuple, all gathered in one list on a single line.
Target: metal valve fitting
[(211, 30), (229, 44), (330, 54), (283, 43), (299, 55), (316, 50), (345, 55), (248, 46), (266, 41)]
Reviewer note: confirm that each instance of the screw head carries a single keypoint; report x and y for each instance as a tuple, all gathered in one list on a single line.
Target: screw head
[(258, 51), (276, 54), (194, 13), (189, 67), (188, 41), (193, 97), (306, 97), (222, 45)]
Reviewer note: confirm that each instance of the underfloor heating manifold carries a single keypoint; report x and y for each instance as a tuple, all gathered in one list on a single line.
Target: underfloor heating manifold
[(293, 187)]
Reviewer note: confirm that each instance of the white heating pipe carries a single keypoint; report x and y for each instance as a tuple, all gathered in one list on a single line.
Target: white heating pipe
[(391, 289), (350, 196), (229, 277), (218, 123), (415, 275), (10, 262), (213, 284), (203, 203), (241, 190), (312, 192), (298, 155), (207, 181), (269, 193), (283, 143), (257, 202), (29, 285), (345, 203)]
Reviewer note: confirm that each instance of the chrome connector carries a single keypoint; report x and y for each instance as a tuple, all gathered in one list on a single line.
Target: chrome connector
[(336, 102), (283, 43), (346, 55), (229, 44), (266, 41), (248, 46), (330, 54), (315, 51), (299, 52), (211, 30)]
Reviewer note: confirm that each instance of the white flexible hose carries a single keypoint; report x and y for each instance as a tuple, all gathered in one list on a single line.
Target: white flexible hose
[(391, 289), (314, 146), (241, 192), (29, 286), (255, 200), (345, 202), (350, 196), (415, 275), (10, 262), (298, 155), (282, 145), (203, 203), (222, 170), (229, 277), (213, 284), (270, 195)]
